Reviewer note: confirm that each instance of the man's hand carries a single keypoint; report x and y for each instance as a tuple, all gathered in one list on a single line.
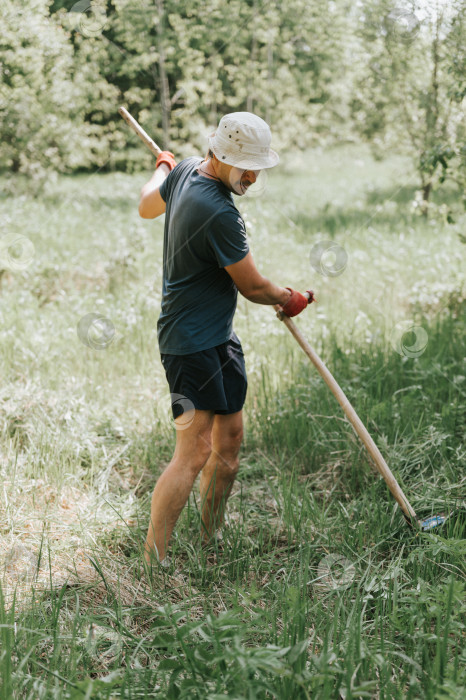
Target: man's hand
[(297, 302), (166, 157)]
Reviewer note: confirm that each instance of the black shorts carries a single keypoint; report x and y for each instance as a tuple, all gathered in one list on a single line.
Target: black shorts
[(209, 380)]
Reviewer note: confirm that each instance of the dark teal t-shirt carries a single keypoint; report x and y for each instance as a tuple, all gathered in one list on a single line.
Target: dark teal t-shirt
[(204, 232)]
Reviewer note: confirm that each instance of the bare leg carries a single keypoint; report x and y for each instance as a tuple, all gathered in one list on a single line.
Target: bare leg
[(220, 470), (193, 445)]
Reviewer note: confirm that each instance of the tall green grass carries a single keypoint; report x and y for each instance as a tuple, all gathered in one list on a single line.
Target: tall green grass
[(320, 589)]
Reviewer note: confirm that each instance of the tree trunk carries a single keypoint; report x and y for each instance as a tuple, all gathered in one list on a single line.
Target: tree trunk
[(252, 81), (165, 103), (268, 109), (426, 189), (213, 104)]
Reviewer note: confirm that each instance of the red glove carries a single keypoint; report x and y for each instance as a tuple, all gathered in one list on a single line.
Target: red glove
[(297, 302), (166, 157)]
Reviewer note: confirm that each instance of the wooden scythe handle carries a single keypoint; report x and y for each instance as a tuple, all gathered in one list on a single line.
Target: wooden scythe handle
[(353, 418), (151, 145)]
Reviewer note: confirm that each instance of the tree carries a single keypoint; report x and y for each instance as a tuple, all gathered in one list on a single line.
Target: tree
[(46, 86), (178, 65), (409, 93)]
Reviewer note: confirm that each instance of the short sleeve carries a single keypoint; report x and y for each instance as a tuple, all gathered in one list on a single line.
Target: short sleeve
[(165, 187), (169, 184), (227, 238)]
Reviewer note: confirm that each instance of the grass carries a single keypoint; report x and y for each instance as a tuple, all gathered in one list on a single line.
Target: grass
[(320, 590)]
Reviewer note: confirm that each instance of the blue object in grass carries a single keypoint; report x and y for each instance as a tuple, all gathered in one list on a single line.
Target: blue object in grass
[(433, 521)]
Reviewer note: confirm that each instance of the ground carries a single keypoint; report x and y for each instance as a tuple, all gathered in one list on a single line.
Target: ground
[(320, 589)]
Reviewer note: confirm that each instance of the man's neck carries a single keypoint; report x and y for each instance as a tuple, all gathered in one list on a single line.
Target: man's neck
[(205, 168)]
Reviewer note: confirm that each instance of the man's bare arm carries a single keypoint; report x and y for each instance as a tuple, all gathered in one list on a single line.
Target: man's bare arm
[(255, 286), (151, 203)]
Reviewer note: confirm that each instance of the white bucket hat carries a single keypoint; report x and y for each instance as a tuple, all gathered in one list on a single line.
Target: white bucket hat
[(243, 139)]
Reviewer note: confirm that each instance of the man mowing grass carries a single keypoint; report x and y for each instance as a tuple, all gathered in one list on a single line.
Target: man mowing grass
[(206, 260)]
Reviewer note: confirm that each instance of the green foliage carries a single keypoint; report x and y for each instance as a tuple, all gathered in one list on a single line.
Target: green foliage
[(275, 63), (177, 66), (395, 73), (46, 87), (409, 91), (7, 621), (85, 433), (285, 418), (318, 72)]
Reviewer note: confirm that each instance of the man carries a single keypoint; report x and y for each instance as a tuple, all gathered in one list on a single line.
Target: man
[(206, 260)]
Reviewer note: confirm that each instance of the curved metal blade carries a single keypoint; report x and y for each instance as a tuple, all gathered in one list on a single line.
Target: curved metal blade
[(432, 522)]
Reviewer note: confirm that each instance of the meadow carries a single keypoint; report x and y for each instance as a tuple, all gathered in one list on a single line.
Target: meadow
[(320, 589)]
